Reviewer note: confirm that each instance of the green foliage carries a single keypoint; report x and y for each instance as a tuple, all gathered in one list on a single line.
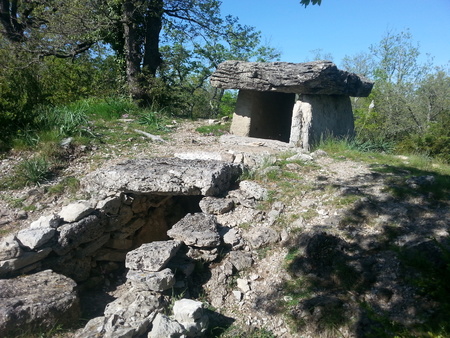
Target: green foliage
[(214, 129), (33, 171), (408, 108)]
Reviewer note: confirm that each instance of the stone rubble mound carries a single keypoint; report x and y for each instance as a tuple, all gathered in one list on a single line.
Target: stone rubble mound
[(131, 228)]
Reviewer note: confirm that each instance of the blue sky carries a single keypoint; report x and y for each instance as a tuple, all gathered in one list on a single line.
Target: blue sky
[(345, 27)]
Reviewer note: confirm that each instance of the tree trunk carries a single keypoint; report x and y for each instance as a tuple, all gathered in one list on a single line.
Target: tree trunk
[(153, 25), (132, 49)]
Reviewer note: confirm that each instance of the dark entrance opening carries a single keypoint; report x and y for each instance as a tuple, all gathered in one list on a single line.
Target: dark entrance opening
[(271, 115)]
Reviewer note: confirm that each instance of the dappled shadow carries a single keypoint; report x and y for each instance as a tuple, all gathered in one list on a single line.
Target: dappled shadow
[(382, 268)]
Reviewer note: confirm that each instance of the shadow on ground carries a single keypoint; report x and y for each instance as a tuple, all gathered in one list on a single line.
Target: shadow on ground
[(382, 269)]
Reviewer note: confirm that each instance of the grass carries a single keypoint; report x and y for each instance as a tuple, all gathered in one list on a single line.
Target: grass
[(214, 129), (91, 123)]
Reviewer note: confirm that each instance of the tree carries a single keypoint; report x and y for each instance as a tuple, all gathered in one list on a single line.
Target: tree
[(306, 3), (52, 28)]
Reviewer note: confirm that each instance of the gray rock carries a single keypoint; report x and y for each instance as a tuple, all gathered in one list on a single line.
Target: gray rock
[(76, 211), (197, 229), (14, 265), (39, 301), (301, 157), (216, 206), (163, 176), (205, 255), (259, 237), (110, 206), (9, 248), (151, 281), (253, 190), (152, 256), (318, 77), (71, 235), (166, 327), (190, 314), (49, 221), (240, 215), (203, 155), (230, 236), (241, 260), (135, 309), (34, 238)]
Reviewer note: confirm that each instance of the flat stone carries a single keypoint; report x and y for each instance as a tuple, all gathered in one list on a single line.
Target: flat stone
[(34, 238), (152, 281), (259, 237), (253, 190), (152, 256), (206, 155), (37, 302), (318, 77), (10, 266), (172, 176), (71, 235), (49, 221), (76, 211), (197, 229), (216, 206)]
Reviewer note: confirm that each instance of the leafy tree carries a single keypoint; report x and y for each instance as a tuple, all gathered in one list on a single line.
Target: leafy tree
[(306, 3), (409, 102)]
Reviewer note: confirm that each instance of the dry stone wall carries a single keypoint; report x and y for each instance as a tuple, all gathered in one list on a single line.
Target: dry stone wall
[(133, 203)]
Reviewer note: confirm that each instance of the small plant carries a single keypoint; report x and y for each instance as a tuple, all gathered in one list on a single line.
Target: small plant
[(214, 129), (34, 171), (154, 120)]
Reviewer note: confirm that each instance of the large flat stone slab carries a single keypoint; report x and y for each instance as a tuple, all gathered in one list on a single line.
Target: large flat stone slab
[(168, 176), (318, 77), (37, 302)]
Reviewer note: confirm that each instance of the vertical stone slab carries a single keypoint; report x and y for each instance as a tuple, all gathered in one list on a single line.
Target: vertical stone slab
[(320, 116), (243, 113)]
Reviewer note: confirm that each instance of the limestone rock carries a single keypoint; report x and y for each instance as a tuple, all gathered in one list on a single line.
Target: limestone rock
[(230, 236), (9, 248), (152, 256), (135, 309), (205, 255), (50, 221), (164, 176), (166, 327), (71, 235), (152, 281), (253, 190), (241, 260), (318, 77), (14, 265), (197, 229), (190, 314), (216, 206), (75, 211), (203, 155), (259, 237), (34, 238), (38, 301)]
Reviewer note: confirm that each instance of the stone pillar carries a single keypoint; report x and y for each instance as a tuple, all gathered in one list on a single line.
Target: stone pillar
[(319, 116), (243, 113)]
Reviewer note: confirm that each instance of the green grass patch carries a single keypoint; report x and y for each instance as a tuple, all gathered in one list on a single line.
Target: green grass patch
[(214, 129)]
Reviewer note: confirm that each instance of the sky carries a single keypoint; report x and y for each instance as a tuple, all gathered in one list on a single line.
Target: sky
[(345, 27)]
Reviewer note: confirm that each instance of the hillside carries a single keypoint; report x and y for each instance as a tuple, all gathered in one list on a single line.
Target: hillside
[(362, 240)]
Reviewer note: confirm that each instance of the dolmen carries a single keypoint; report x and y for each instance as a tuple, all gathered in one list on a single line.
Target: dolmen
[(298, 103)]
